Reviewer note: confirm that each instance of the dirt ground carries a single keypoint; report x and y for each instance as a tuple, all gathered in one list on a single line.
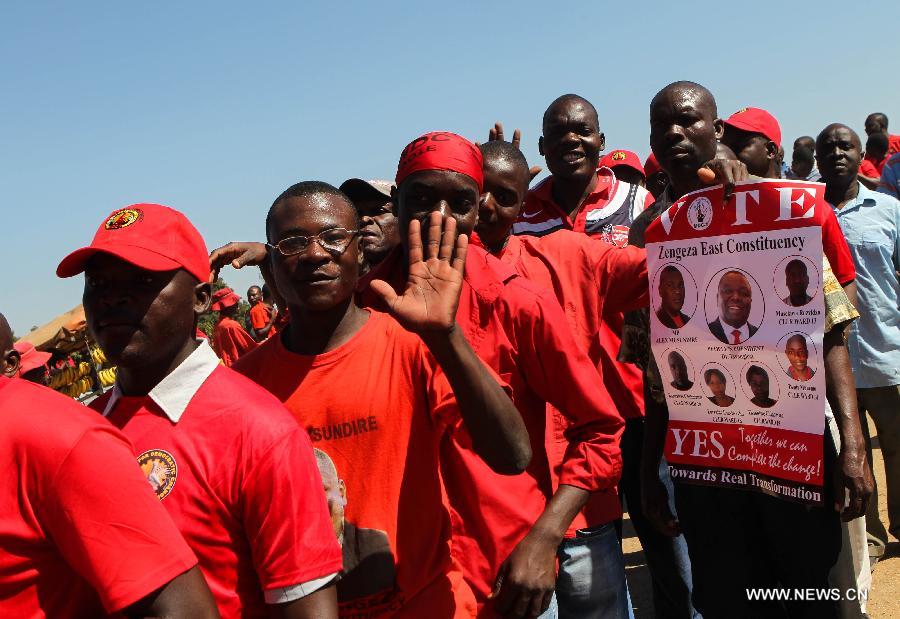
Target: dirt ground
[(884, 598)]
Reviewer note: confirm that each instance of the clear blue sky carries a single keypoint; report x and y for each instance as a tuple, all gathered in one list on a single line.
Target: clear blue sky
[(214, 108)]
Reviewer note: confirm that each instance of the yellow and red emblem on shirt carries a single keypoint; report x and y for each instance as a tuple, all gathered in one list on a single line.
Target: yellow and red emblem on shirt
[(741, 111), (123, 218), (618, 156), (160, 470)]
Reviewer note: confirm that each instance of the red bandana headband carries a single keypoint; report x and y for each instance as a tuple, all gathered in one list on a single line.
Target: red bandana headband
[(441, 150)]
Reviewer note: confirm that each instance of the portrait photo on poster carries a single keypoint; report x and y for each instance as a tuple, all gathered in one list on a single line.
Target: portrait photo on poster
[(796, 281), (760, 385), (674, 294), (681, 370), (366, 553), (734, 306), (800, 359), (718, 385)]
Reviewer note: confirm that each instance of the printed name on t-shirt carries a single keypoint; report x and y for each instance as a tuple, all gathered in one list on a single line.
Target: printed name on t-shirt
[(347, 429)]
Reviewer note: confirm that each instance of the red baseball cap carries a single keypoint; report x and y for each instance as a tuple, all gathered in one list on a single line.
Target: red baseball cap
[(149, 236), (651, 166), (756, 120), (30, 357), (623, 157), (224, 297)]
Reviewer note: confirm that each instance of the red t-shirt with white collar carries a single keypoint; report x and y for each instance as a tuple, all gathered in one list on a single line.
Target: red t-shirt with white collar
[(238, 476), (81, 531)]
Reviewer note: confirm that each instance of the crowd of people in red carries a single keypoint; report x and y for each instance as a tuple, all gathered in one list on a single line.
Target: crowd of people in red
[(436, 407)]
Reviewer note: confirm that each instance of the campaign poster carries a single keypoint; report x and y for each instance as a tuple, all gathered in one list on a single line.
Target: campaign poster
[(737, 320)]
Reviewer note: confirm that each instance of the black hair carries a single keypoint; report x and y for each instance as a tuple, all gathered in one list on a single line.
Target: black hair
[(797, 336), (677, 355), (688, 85), (310, 189), (505, 151), (567, 98), (714, 372), (755, 369), (854, 137), (881, 116), (877, 141), (803, 155), (796, 261), (669, 268)]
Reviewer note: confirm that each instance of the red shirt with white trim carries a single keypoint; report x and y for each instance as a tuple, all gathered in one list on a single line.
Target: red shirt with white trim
[(230, 340), (608, 211), (520, 333), (237, 474), (590, 279), (378, 407), (80, 530)]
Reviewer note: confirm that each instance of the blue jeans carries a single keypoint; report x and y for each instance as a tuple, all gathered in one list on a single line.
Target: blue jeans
[(591, 580), (667, 557)]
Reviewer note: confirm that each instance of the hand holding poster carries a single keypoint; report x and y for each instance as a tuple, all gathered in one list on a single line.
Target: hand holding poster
[(736, 329)]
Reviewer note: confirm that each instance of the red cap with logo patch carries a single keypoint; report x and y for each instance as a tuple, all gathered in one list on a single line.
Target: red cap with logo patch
[(149, 236), (756, 120), (625, 158)]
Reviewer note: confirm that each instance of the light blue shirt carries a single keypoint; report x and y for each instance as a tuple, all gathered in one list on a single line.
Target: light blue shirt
[(871, 225)]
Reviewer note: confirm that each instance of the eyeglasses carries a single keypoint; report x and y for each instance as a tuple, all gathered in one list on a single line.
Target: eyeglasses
[(335, 241)]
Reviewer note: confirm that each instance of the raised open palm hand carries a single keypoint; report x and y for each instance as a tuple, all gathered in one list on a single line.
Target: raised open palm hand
[(435, 278)]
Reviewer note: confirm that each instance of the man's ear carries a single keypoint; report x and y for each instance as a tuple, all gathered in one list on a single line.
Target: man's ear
[(719, 125), (394, 200), (541, 145), (9, 366), (602, 142), (202, 298), (771, 150)]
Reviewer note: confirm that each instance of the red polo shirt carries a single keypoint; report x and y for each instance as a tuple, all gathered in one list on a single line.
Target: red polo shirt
[(591, 280), (237, 474), (81, 532), (378, 406), (230, 340), (515, 329)]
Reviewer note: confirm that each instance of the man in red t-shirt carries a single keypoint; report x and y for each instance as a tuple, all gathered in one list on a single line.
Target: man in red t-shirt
[(504, 531), (263, 315), (589, 278), (737, 538), (229, 339), (229, 463), (378, 393), (873, 163), (82, 535), (507, 531), (878, 123)]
